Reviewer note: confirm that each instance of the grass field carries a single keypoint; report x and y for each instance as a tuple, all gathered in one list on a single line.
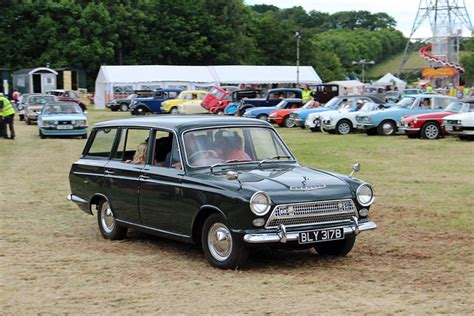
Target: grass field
[(420, 259)]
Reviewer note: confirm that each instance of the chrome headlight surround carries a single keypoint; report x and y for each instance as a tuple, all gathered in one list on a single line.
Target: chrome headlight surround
[(365, 194), (260, 203)]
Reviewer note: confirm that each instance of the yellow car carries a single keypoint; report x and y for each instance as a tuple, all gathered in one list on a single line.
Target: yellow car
[(171, 106)]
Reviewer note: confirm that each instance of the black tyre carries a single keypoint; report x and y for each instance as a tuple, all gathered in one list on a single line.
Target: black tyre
[(141, 111), (288, 122), (466, 137), (22, 117), (28, 121), (337, 247), (108, 226), (41, 135), (344, 127), (84, 136), (315, 129), (430, 130), (221, 247), (123, 107), (263, 117), (387, 128)]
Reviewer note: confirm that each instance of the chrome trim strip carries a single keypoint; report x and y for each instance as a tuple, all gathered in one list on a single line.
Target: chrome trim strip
[(75, 198), (151, 228), (293, 236), (407, 128)]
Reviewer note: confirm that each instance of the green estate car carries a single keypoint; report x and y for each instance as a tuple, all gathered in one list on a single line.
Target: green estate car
[(228, 183)]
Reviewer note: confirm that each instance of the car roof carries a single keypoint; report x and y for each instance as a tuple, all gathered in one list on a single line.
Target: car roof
[(181, 123), (429, 95), (284, 89)]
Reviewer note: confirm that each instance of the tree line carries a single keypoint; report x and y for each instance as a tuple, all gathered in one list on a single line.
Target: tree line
[(88, 34)]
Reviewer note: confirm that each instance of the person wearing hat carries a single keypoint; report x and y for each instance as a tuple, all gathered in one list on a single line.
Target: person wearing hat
[(7, 113)]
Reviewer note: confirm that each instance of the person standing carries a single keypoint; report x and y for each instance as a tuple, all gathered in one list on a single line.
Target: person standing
[(7, 114), (306, 93)]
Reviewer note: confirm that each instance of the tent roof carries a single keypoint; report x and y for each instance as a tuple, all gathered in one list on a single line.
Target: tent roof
[(29, 71), (264, 74), (208, 74), (388, 78), (348, 83), (152, 73)]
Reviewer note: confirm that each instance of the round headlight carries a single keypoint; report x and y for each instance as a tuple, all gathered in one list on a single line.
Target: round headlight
[(260, 203), (365, 195)]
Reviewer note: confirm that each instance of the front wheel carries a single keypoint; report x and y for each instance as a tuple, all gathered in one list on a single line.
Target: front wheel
[(124, 107), (222, 249), (430, 131), (343, 127), (336, 247), (289, 122), (41, 135), (108, 226), (174, 111), (387, 128)]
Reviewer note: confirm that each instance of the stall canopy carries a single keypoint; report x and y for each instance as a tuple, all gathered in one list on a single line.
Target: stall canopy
[(122, 80), (390, 80)]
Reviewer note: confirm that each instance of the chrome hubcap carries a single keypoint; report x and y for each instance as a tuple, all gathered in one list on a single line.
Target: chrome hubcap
[(344, 128), (174, 111), (219, 241), (387, 128), (431, 131), (290, 122), (107, 218)]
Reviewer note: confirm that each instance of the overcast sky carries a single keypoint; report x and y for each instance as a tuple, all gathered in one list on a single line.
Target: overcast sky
[(403, 11)]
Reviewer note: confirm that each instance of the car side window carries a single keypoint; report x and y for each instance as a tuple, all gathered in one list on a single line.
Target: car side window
[(165, 153), (133, 145), (102, 143), (188, 96), (441, 103)]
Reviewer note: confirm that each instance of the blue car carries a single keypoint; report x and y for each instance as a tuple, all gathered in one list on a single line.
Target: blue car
[(336, 103), (386, 122), (142, 106), (262, 113), (62, 119)]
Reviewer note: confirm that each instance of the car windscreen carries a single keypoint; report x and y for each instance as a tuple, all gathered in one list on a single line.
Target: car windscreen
[(232, 144), (406, 102), (217, 93), (41, 100), (61, 109), (460, 107)]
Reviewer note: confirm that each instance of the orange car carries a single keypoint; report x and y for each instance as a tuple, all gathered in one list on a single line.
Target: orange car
[(282, 117)]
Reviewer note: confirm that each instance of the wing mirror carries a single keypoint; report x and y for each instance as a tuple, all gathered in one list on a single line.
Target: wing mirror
[(355, 168)]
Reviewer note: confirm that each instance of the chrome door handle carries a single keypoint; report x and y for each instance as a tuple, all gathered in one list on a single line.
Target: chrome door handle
[(108, 172), (144, 177)]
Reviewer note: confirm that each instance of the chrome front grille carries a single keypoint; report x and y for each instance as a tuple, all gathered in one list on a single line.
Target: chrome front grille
[(310, 213)]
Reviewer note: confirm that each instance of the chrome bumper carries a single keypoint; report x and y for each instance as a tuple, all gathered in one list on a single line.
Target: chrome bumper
[(410, 129), (283, 236), (75, 198)]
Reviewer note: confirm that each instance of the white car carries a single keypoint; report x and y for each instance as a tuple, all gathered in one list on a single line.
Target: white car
[(341, 121), (460, 124)]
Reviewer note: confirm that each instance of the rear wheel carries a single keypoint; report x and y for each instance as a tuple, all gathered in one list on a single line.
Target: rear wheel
[(430, 130), (221, 247), (337, 247), (343, 127), (387, 128), (123, 107), (108, 226)]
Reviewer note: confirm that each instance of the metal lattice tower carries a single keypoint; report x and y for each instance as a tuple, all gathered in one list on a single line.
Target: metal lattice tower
[(447, 19)]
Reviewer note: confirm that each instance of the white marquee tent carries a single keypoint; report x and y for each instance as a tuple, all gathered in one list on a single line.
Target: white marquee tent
[(113, 80), (388, 79), (349, 86)]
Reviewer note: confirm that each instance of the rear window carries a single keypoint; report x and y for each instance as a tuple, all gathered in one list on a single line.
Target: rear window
[(102, 143)]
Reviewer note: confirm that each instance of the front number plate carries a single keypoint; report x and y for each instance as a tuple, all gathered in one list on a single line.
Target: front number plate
[(64, 126), (320, 235)]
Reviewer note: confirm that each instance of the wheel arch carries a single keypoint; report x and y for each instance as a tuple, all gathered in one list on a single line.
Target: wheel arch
[(204, 212), (95, 200)]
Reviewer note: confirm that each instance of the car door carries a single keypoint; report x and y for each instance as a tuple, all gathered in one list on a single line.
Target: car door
[(122, 173), (160, 188)]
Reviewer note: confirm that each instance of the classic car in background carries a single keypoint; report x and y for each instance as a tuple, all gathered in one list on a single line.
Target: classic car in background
[(68, 96), (191, 107), (385, 122), (230, 108), (392, 96), (325, 92), (227, 183), (430, 125), (21, 105), (342, 122), (348, 102), (217, 96), (123, 104), (272, 98), (282, 117), (34, 103), (262, 113), (461, 125), (62, 119), (142, 106), (171, 106)]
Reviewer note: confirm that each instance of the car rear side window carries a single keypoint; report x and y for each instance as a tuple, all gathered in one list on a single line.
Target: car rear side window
[(102, 143), (131, 141)]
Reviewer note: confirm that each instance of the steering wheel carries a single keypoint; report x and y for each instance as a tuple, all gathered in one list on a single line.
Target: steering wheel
[(205, 153)]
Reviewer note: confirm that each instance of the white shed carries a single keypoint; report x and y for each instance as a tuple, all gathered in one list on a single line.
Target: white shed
[(122, 80), (349, 86)]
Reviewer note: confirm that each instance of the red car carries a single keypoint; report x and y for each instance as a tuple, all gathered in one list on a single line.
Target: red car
[(217, 97), (68, 96), (430, 125), (282, 117)]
